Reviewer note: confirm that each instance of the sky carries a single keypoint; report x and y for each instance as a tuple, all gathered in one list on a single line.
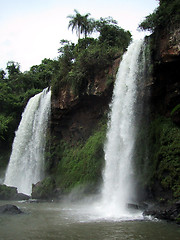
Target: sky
[(31, 30)]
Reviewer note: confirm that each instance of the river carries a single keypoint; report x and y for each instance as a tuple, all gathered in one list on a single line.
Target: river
[(52, 220)]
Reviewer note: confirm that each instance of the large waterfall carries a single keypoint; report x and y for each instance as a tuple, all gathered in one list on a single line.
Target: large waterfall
[(118, 176), (26, 165)]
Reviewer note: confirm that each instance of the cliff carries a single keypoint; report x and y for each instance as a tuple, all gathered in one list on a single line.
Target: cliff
[(166, 59), (75, 116), (78, 127), (162, 178), (77, 132)]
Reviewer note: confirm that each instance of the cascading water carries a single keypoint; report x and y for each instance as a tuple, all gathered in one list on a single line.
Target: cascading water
[(26, 165), (118, 176)]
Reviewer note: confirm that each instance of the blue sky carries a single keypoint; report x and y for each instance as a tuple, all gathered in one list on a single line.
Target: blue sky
[(30, 30)]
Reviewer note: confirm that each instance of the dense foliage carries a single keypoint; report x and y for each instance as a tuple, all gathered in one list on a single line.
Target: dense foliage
[(15, 90), (81, 62), (167, 14)]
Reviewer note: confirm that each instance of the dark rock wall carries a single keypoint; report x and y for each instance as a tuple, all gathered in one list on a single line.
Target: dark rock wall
[(75, 116), (164, 130), (166, 58)]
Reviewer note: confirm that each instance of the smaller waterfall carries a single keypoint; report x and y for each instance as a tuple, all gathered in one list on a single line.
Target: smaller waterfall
[(26, 165), (118, 187)]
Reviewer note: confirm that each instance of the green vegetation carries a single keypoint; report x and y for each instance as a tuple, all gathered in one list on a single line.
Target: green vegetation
[(78, 64), (15, 90), (44, 189), (165, 155), (175, 109), (81, 23), (167, 14), (7, 193), (75, 68), (157, 163), (80, 164)]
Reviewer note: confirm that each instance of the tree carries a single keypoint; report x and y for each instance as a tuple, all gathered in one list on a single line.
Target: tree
[(88, 25), (81, 23), (2, 74), (166, 15), (13, 68), (111, 34)]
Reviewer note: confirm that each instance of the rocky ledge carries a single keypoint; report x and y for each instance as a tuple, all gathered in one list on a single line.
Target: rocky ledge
[(165, 212), (10, 193)]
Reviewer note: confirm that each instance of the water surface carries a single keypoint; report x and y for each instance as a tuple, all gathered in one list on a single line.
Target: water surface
[(50, 221)]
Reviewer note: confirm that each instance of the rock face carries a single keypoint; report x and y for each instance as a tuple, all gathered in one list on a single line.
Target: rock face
[(165, 121), (169, 44), (166, 58), (77, 118), (74, 116), (165, 212)]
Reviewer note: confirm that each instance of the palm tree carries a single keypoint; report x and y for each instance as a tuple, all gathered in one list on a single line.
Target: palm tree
[(88, 25), (81, 23)]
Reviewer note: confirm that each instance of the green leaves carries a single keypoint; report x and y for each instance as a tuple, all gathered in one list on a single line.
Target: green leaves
[(78, 64), (166, 154), (15, 90), (4, 122), (167, 14), (82, 165), (81, 23)]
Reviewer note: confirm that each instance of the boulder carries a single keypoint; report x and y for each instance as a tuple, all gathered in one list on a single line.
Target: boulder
[(132, 206), (21, 196), (7, 193), (10, 193), (9, 209), (44, 189), (140, 206)]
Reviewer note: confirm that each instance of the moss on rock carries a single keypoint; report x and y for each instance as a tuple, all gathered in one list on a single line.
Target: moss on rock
[(43, 189), (165, 156), (7, 193), (81, 165)]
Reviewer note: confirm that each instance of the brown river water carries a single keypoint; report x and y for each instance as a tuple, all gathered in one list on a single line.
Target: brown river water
[(50, 221)]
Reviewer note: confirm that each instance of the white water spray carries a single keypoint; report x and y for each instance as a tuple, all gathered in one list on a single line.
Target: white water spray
[(118, 187), (26, 165)]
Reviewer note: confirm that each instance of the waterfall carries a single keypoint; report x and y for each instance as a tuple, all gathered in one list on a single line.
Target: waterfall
[(118, 176), (26, 165)]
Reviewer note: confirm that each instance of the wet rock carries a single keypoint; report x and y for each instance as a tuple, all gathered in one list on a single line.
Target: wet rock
[(10, 209), (132, 206), (168, 212), (140, 206), (7, 193), (21, 196), (43, 189), (10, 193)]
